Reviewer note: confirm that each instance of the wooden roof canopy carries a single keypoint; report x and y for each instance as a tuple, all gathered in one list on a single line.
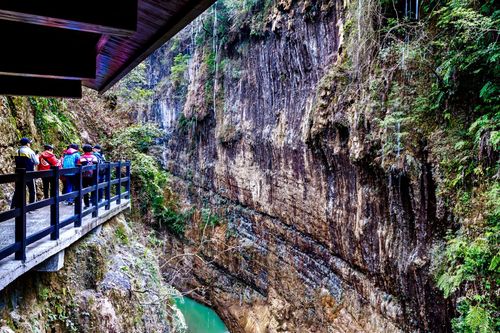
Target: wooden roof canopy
[(52, 47)]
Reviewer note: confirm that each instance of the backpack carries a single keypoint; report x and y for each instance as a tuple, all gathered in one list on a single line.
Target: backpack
[(87, 162), (69, 161), (100, 160), (43, 162), (100, 157)]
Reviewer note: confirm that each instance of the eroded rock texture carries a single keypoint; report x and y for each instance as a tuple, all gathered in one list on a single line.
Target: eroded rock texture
[(315, 236), (110, 283)]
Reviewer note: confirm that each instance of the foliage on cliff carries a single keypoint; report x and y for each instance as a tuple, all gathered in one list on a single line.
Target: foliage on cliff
[(466, 96), (134, 88), (53, 122), (431, 86), (154, 200), (45, 120)]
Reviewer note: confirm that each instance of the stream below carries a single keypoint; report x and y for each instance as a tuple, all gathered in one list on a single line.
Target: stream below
[(200, 318)]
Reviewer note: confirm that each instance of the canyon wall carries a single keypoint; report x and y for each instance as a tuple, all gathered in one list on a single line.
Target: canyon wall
[(305, 228)]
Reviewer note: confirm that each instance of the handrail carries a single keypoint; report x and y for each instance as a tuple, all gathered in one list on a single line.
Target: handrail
[(31, 175), (104, 180), (5, 179)]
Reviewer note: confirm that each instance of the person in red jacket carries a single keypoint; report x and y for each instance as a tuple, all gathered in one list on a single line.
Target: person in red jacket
[(47, 160), (88, 158)]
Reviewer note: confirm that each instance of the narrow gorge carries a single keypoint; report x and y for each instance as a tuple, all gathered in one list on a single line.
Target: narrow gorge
[(307, 132), (299, 166)]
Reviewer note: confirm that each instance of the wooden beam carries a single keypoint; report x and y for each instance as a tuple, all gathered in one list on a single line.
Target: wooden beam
[(114, 17), (32, 86), (192, 9), (31, 50)]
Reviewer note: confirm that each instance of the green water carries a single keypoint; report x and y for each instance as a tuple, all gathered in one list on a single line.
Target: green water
[(200, 318)]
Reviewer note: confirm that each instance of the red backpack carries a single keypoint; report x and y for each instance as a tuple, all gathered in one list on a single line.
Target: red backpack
[(84, 161)]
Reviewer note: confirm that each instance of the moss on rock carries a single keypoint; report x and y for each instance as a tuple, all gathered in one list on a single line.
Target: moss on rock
[(105, 286)]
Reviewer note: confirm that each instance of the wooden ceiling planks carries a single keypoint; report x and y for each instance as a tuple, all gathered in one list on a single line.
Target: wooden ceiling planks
[(158, 21), (118, 17), (55, 41), (118, 50)]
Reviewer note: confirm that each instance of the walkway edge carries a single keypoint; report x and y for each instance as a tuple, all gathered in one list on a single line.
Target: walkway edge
[(40, 251)]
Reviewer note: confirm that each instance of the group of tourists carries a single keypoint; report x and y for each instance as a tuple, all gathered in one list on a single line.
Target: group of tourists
[(27, 159)]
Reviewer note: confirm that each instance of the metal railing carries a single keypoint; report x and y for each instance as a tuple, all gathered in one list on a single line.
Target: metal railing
[(109, 177)]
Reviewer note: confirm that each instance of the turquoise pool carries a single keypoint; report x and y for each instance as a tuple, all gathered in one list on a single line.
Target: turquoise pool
[(200, 318)]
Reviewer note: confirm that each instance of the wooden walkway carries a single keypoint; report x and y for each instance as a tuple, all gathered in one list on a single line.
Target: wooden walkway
[(32, 233), (38, 252), (35, 221)]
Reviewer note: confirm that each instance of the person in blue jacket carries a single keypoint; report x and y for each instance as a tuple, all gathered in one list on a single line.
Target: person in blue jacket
[(70, 160)]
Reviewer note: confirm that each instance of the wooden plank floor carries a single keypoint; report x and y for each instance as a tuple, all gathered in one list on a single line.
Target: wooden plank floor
[(39, 251), (35, 221)]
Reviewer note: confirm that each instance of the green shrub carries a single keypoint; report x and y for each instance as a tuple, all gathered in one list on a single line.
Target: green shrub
[(150, 182), (209, 218), (470, 267), (52, 122), (121, 235), (475, 316), (134, 86), (178, 70), (185, 123)]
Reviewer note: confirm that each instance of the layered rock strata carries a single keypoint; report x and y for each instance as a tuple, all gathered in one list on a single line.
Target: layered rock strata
[(314, 234)]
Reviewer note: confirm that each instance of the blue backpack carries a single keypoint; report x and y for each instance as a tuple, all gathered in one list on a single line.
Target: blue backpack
[(69, 161)]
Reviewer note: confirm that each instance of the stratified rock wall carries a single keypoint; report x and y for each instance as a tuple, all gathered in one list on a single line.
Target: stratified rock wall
[(316, 235)]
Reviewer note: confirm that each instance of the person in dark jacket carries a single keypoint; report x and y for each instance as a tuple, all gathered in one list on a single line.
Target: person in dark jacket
[(88, 158), (97, 149), (47, 160), (25, 159)]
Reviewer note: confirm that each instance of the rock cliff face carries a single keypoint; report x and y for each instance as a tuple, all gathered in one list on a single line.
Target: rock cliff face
[(307, 230), (110, 283)]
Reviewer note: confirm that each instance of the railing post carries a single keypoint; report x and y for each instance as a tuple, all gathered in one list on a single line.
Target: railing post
[(20, 227), (95, 197), (127, 174), (119, 185), (78, 201), (54, 208), (108, 186)]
